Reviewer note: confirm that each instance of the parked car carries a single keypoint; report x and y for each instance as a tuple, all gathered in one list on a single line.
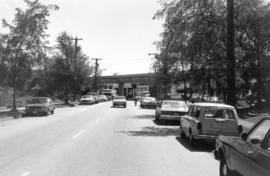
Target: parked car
[(103, 98), (171, 110), (149, 102), (87, 99), (248, 155), (120, 101), (206, 121), (40, 106)]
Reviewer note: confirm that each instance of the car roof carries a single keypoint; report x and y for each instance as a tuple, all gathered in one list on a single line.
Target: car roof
[(173, 101), (39, 97), (205, 104)]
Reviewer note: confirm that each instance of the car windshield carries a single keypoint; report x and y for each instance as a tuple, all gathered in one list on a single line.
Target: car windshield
[(86, 96), (219, 113), (120, 98), (149, 99), (174, 104), (39, 100)]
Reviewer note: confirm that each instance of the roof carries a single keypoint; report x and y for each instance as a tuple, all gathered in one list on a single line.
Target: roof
[(173, 100), (205, 104)]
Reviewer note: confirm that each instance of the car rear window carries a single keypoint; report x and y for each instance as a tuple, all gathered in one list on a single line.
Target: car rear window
[(149, 99), (39, 100), (119, 98), (174, 104), (219, 113)]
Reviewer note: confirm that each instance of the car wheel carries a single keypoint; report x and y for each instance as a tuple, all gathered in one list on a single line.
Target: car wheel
[(182, 133), (191, 139), (52, 112), (46, 113), (223, 168), (157, 119)]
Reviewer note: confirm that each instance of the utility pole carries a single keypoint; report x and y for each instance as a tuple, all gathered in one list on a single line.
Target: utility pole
[(231, 90), (95, 85), (75, 54), (75, 63)]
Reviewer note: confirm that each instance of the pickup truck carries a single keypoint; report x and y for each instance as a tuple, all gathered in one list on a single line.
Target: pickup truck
[(247, 155)]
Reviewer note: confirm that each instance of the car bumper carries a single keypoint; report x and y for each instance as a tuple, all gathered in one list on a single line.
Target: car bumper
[(119, 104), (86, 102), (206, 138), (35, 112), (169, 117)]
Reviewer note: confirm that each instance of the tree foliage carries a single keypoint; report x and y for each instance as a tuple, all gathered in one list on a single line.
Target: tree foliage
[(24, 44), (195, 35)]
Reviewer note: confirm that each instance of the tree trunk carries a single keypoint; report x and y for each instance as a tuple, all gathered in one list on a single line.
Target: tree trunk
[(14, 98)]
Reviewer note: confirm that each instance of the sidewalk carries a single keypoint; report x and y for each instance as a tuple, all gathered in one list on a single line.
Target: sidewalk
[(6, 114)]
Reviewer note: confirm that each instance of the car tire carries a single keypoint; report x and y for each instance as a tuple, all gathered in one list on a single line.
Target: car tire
[(125, 106), (46, 113), (191, 139), (52, 112), (156, 118), (223, 168), (183, 135)]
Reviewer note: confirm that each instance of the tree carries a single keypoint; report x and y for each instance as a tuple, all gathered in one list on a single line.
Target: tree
[(66, 74), (26, 42), (196, 30)]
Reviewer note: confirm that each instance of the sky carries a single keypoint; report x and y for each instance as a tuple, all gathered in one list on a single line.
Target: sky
[(120, 32)]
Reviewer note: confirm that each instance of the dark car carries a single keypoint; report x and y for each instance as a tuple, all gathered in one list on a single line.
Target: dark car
[(248, 155), (40, 106), (149, 102)]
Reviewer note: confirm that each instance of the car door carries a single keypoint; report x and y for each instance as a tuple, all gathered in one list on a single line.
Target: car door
[(185, 124), (260, 157), (246, 156)]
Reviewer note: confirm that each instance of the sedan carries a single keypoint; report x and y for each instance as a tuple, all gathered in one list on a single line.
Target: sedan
[(171, 110), (120, 101), (40, 105), (150, 102), (248, 155)]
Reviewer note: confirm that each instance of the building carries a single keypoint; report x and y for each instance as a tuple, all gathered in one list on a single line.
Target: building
[(130, 85)]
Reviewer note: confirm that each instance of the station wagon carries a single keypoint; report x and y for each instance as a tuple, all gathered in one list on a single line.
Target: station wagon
[(206, 121)]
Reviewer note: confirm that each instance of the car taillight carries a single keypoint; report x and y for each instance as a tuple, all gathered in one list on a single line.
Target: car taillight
[(199, 126)]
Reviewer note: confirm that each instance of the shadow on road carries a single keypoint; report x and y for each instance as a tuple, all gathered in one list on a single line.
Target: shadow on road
[(144, 117), (167, 123), (198, 147), (152, 132)]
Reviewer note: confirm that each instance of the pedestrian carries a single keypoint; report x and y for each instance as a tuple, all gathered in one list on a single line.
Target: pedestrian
[(135, 101)]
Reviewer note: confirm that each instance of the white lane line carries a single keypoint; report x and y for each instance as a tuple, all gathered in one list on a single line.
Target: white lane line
[(78, 134), (26, 173)]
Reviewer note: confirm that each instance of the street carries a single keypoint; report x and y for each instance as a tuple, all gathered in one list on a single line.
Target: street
[(98, 140)]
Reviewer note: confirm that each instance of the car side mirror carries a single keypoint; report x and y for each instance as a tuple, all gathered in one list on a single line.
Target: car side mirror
[(240, 129), (255, 141), (244, 136)]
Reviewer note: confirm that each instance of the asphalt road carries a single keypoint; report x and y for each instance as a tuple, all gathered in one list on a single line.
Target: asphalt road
[(99, 140)]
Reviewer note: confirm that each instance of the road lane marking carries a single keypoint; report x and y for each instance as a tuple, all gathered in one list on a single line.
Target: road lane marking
[(26, 173), (78, 134)]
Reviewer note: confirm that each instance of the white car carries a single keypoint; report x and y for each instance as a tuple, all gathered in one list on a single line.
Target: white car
[(171, 110), (120, 101), (87, 99)]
